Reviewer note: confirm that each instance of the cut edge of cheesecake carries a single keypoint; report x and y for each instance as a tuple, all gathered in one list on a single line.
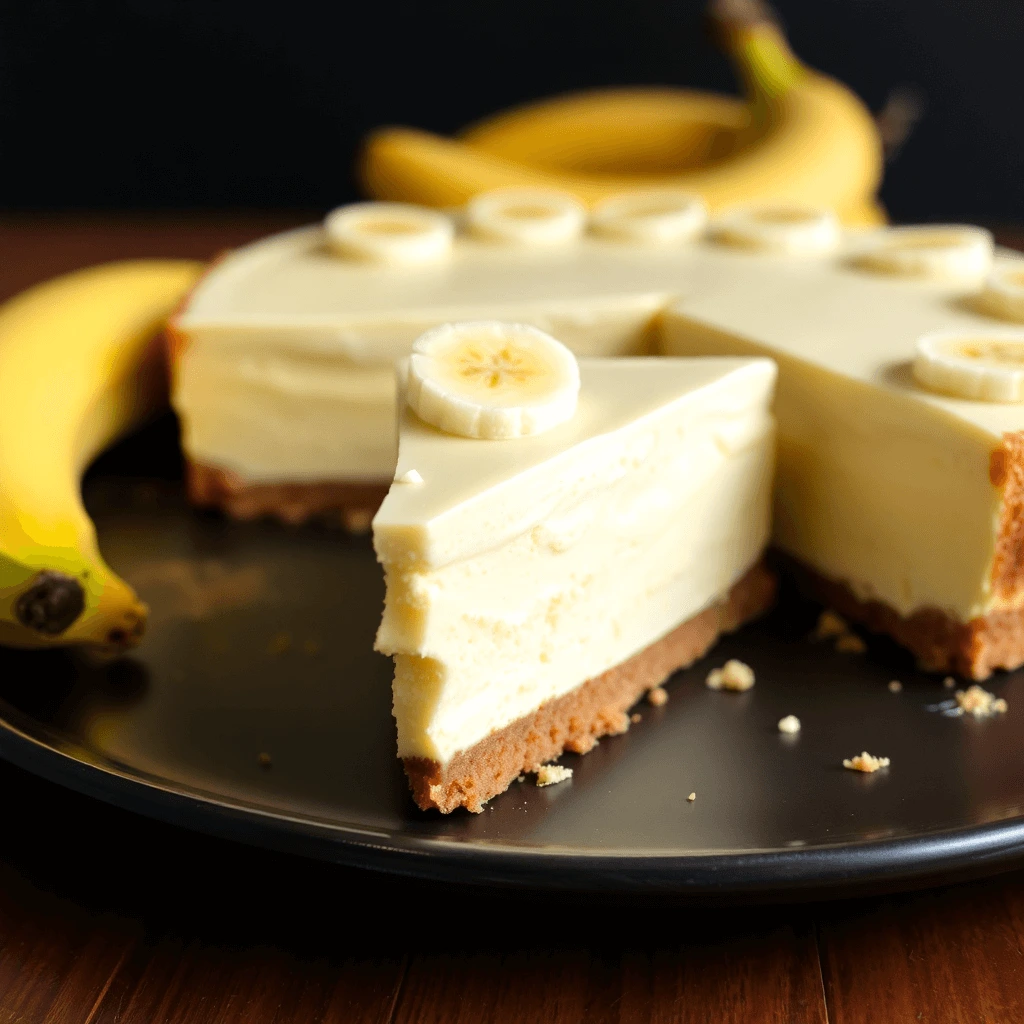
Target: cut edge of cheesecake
[(939, 641), (576, 720)]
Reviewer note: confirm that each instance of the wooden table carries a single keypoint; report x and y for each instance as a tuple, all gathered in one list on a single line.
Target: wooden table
[(105, 917)]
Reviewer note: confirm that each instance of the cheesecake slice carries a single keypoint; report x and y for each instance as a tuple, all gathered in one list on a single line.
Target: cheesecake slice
[(538, 586), (900, 494)]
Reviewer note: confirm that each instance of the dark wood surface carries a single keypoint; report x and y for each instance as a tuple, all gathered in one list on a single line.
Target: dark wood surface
[(106, 918)]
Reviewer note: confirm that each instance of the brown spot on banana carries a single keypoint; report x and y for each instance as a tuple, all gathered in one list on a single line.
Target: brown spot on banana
[(51, 604)]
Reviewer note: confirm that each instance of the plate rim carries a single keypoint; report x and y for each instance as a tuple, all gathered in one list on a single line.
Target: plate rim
[(841, 868)]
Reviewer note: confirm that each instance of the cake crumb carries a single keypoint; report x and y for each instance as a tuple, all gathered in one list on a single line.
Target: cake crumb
[(866, 762), (357, 520), (635, 717), (279, 643), (979, 702), (949, 682), (691, 798), (829, 625), (264, 760), (895, 686), (789, 725), (733, 675), (850, 643), (410, 476), (522, 778), (658, 696), (550, 774)]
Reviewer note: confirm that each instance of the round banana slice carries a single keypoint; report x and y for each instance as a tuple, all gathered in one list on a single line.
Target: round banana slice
[(986, 366), (394, 233), (943, 251), (1003, 295), (526, 216), (790, 229), (491, 380), (651, 217)]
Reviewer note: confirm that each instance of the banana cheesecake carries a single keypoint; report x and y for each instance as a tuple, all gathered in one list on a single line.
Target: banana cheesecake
[(559, 537), (283, 356), (900, 485)]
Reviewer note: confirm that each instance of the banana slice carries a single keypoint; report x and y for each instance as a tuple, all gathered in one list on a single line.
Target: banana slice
[(394, 233), (987, 366), (790, 229), (944, 252), (491, 380), (526, 216), (1004, 292), (654, 217)]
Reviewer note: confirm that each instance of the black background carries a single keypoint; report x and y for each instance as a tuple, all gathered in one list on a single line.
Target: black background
[(223, 103)]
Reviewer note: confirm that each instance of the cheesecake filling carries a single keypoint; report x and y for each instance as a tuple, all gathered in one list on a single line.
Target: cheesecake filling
[(501, 604), (876, 488)]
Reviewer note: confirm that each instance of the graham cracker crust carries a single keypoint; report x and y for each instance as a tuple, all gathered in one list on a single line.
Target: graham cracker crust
[(578, 719), (354, 504), (941, 643)]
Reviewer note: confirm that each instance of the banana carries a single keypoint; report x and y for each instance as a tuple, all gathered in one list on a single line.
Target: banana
[(1003, 295), (944, 252), (794, 230), (78, 365), (986, 367), (395, 233), (804, 139), (491, 380), (615, 131), (526, 216), (651, 217)]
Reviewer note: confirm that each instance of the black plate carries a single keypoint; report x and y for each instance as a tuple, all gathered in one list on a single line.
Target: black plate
[(261, 643)]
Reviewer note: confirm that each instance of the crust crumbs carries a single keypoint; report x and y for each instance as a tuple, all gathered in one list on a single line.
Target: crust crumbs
[(789, 725), (979, 702), (549, 774), (866, 762), (691, 798), (657, 696), (830, 624), (733, 675)]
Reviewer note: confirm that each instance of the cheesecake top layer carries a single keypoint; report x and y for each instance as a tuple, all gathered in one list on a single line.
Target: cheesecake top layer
[(454, 497), (829, 313)]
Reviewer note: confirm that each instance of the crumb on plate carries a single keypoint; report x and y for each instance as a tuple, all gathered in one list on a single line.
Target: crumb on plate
[(636, 717), (866, 762), (979, 702), (264, 760), (691, 798), (549, 774), (830, 624), (657, 696), (789, 725), (949, 682), (733, 675), (895, 686), (850, 643)]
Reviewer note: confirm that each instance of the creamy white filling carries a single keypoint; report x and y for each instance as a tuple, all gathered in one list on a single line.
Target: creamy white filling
[(885, 493), (482, 641)]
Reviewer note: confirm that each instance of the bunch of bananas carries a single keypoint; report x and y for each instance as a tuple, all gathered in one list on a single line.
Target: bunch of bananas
[(80, 362), (799, 137)]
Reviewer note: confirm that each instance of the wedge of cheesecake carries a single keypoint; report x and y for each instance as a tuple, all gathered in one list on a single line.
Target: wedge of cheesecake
[(900, 485), (538, 586), (283, 357)]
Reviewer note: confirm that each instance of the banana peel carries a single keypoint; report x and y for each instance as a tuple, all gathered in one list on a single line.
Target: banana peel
[(80, 363)]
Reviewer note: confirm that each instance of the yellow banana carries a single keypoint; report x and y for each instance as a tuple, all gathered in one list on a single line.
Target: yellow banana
[(803, 138), (615, 131), (79, 364)]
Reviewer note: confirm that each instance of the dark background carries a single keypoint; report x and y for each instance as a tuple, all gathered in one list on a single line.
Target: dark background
[(227, 103)]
